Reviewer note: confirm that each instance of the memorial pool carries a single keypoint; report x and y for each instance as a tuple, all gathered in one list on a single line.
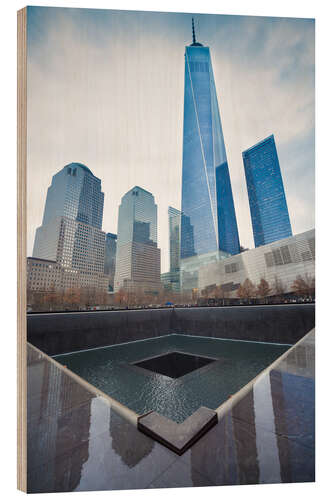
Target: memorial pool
[(175, 374)]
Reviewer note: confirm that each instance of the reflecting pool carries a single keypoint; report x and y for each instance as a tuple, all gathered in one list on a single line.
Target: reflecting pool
[(174, 374)]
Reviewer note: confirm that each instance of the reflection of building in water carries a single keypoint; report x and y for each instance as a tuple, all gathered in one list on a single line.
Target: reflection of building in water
[(266, 442), (247, 450), (245, 441), (289, 391), (74, 432), (216, 454), (65, 435), (127, 442), (268, 436)]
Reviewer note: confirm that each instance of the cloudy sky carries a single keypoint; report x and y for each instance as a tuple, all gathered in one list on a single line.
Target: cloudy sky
[(106, 87)]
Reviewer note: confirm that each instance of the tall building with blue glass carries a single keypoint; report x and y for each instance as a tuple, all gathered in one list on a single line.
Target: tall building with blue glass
[(268, 205), (226, 216), (207, 200), (208, 224)]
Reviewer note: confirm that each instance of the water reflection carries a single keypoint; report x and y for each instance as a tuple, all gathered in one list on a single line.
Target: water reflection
[(268, 437), (127, 442), (76, 442), (111, 370), (58, 423)]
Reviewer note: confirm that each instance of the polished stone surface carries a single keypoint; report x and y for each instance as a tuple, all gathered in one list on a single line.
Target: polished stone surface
[(178, 437), (56, 333), (77, 442)]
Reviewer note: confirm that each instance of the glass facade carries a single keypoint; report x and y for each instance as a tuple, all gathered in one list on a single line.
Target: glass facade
[(268, 205), (207, 209), (171, 279), (174, 238), (75, 193), (227, 223), (71, 233), (110, 258), (138, 260)]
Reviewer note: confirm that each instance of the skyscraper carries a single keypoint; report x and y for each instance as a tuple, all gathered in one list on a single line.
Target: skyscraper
[(227, 223), (171, 279), (71, 233), (110, 258), (208, 216), (268, 205), (174, 238), (138, 261)]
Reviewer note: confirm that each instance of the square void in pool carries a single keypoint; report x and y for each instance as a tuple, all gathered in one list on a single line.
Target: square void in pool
[(174, 364)]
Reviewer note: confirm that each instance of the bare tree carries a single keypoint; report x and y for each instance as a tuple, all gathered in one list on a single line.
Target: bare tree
[(72, 297), (51, 298), (263, 289), (247, 290), (304, 285), (120, 297)]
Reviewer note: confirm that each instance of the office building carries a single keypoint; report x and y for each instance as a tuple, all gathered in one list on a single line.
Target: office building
[(138, 260), (174, 238), (50, 276), (71, 233), (226, 216), (171, 279), (208, 216), (268, 205), (110, 258)]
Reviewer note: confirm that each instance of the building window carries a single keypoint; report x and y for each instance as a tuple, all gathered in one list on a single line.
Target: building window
[(306, 256), (312, 247), (231, 268), (285, 255), (277, 257), (269, 259)]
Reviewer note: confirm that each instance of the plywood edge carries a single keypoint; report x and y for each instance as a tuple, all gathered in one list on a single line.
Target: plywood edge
[(21, 248)]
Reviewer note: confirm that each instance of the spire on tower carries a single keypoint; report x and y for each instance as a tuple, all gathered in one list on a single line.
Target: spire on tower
[(194, 43)]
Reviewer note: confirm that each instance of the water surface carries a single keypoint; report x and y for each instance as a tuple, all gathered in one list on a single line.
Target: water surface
[(113, 370)]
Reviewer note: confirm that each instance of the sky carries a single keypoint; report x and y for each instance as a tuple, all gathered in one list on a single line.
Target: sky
[(106, 88)]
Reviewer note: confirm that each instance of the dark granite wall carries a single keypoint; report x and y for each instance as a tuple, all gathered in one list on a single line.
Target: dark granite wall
[(59, 333), (280, 323)]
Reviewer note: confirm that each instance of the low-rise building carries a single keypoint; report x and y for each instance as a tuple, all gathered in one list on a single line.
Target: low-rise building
[(45, 275), (278, 262)]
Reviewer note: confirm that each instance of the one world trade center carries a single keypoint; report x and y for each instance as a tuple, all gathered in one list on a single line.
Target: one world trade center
[(208, 223)]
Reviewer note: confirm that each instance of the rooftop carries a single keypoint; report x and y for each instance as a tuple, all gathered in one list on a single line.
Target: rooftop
[(80, 165)]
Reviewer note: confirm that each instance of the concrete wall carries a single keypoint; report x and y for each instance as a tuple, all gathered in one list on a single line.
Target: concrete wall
[(65, 332)]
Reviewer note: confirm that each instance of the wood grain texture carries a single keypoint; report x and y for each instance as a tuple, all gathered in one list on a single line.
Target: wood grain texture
[(21, 248)]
